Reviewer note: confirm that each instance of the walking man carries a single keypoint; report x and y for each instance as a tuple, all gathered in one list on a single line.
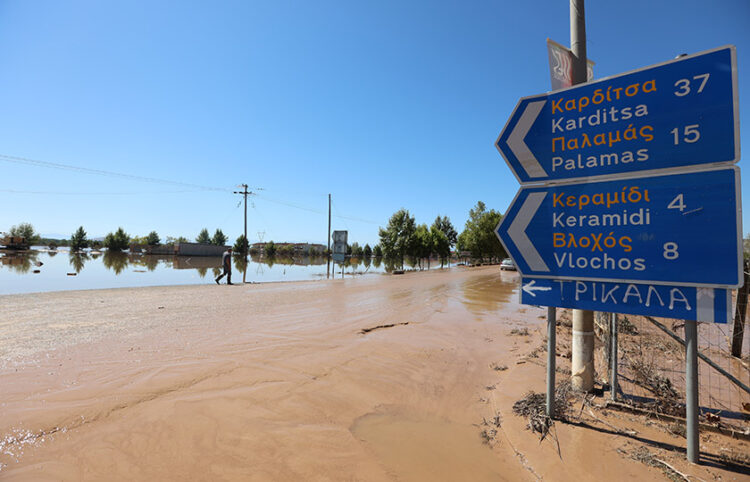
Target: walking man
[(226, 261)]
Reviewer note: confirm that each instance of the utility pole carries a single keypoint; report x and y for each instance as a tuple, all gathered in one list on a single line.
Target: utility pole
[(244, 193), (582, 378), (328, 253)]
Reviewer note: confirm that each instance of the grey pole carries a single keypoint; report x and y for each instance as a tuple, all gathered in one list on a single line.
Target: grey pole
[(328, 254), (578, 41), (613, 356), (245, 193), (583, 320), (691, 390), (551, 352)]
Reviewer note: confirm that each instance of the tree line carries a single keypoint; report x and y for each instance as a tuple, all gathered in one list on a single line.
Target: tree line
[(120, 240), (402, 237)]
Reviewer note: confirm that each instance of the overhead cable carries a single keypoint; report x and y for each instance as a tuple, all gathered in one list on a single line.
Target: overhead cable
[(101, 172)]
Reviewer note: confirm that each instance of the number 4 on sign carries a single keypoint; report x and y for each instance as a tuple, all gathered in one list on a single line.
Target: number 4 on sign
[(677, 203)]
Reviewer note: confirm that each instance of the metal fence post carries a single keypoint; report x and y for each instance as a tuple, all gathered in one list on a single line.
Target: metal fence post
[(551, 353), (613, 356)]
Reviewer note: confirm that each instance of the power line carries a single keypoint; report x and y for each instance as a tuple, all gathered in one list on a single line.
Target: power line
[(101, 172), (81, 193), (297, 206)]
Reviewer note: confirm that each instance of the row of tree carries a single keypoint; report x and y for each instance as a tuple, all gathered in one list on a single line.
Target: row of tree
[(402, 237)]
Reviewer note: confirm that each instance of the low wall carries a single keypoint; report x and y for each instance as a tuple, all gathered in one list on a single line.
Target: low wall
[(195, 249)]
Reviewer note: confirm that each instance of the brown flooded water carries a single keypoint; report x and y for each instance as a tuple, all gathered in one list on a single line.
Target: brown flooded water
[(262, 382), (414, 446)]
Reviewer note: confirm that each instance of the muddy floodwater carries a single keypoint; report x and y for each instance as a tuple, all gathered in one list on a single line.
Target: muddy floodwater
[(41, 269), (372, 378), (256, 382)]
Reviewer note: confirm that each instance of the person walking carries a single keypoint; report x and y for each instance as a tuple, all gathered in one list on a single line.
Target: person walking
[(226, 261)]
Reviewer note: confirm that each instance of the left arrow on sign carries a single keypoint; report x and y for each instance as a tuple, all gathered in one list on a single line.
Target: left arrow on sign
[(530, 288), (517, 144)]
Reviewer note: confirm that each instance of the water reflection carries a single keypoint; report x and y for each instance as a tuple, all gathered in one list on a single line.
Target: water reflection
[(116, 261), (487, 293), (104, 269), (78, 261), (20, 262)]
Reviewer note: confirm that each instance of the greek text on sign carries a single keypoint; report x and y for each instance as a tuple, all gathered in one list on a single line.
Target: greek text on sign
[(677, 229), (680, 113), (712, 305)]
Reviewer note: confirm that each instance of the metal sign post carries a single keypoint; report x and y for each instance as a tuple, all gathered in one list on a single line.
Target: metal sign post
[(691, 391), (551, 361)]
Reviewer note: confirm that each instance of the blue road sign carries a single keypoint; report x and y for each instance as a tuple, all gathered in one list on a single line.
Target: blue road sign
[(673, 229), (677, 114), (683, 302)]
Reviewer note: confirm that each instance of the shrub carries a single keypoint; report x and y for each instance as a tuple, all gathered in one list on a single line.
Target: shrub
[(117, 241)]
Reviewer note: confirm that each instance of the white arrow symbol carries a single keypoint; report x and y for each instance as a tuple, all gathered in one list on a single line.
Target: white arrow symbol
[(530, 288), (517, 231), (517, 144)]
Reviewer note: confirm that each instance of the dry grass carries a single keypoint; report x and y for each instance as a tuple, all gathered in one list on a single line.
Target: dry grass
[(534, 407)]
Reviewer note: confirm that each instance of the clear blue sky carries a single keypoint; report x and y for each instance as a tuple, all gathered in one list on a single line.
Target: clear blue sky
[(384, 105)]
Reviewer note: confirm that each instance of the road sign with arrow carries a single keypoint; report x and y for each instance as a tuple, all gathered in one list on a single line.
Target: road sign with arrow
[(679, 114), (673, 229)]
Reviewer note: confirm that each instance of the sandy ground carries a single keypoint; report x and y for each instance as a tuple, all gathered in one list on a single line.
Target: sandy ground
[(284, 382)]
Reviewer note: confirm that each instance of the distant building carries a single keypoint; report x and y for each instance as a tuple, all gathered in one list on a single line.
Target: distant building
[(299, 248)]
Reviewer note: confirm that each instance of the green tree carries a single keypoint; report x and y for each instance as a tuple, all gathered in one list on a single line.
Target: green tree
[(25, 230), (178, 240), (377, 251), (285, 250), (367, 251), (479, 236), (241, 245), (153, 239), (78, 241), (219, 239), (203, 237), (421, 246), (117, 241), (443, 224), (138, 240), (355, 250), (440, 244), (270, 249), (397, 238)]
